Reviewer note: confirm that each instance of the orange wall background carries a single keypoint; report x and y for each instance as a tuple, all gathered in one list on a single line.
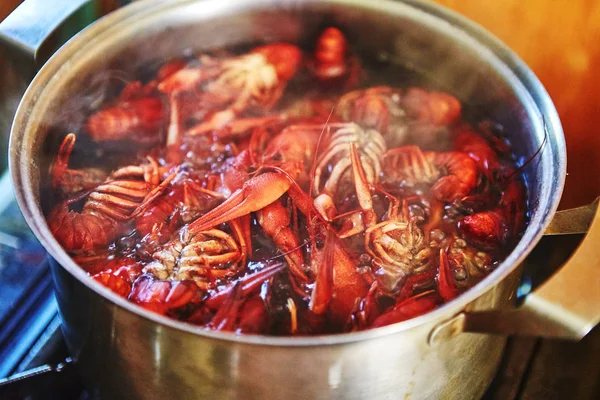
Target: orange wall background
[(560, 41)]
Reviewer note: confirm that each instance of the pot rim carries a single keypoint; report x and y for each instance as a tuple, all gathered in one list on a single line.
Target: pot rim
[(505, 59)]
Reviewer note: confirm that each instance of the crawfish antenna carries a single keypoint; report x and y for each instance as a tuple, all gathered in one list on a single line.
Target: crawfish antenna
[(538, 151), (313, 167)]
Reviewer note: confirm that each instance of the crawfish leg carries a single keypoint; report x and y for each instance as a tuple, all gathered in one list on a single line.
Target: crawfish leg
[(153, 195), (174, 132), (275, 221), (225, 318), (363, 194)]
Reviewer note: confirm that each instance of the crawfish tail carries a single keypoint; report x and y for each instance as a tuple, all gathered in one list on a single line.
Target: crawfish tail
[(248, 284)]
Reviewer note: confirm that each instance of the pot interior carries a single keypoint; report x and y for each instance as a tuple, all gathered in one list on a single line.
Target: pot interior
[(446, 53)]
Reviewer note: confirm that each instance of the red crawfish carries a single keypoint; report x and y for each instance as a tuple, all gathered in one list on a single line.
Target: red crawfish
[(333, 168), (398, 247), (494, 229), (106, 207), (453, 175), (465, 139), (203, 257), (232, 85), (68, 180), (399, 114), (162, 296), (419, 304), (332, 63), (115, 271), (138, 114)]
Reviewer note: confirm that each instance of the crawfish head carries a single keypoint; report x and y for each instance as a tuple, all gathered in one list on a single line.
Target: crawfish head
[(330, 54), (377, 108), (285, 58), (433, 107), (140, 120)]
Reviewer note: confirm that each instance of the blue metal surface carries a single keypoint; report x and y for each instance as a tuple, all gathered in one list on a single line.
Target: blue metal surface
[(27, 304)]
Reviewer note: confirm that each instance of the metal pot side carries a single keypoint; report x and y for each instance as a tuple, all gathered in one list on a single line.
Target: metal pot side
[(127, 352)]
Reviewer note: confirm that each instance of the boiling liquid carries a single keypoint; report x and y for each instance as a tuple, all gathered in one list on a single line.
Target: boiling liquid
[(206, 156)]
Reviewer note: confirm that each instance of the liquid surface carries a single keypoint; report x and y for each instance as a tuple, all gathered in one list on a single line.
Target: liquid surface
[(286, 191)]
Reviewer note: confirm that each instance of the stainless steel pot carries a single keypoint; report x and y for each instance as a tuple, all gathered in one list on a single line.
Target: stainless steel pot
[(123, 351)]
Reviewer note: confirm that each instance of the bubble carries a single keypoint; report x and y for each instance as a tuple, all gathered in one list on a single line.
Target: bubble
[(480, 260), (365, 258), (416, 211), (460, 274), (437, 235), (460, 243), (455, 251)]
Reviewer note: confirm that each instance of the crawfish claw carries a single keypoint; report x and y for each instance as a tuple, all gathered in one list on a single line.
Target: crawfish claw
[(257, 193), (446, 287)]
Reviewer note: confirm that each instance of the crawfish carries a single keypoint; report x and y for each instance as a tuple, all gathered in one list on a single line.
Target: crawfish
[(292, 149), (399, 248), (376, 108), (237, 307), (465, 139), (407, 309), (371, 146), (116, 272), (493, 229), (201, 256), (397, 113), (436, 108), (415, 167), (252, 80), (106, 207), (332, 64), (184, 202), (421, 303), (138, 114), (70, 181), (163, 296), (240, 315)]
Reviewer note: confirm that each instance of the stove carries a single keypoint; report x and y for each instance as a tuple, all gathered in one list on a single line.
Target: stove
[(34, 362)]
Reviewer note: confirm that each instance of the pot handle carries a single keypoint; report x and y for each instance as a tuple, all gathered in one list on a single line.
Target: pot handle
[(31, 31), (566, 306)]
